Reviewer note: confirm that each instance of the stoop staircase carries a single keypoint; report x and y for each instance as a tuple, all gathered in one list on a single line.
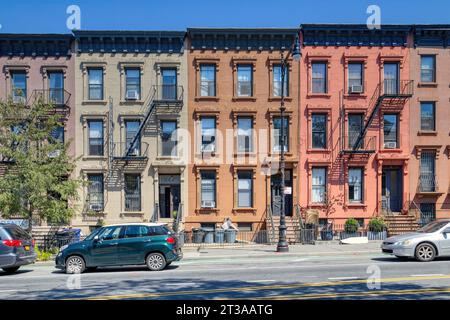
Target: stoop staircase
[(400, 224)]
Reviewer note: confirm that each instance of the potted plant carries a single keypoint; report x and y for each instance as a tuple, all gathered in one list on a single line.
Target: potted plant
[(377, 229), (351, 227)]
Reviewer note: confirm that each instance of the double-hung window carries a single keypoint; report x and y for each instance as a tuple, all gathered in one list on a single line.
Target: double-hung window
[(277, 123), (132, 192), (319, 77), (168, 138), (319, 130), (319, 182), (207, 80), (131, 130), (355, 185), (19, 86), (95, 191), (427, 116), (95, 137), (428, 68), (208, 189), (132, 83), (277, 81), (245, 189), (95, 88), (355, 77), (244, 81), (427, 171), (56, 87), (208, 132), (390, 131), (355, 127), (245, 134)]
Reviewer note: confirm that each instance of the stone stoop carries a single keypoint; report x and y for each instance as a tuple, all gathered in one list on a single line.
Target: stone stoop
[(400, 224), (291, 231)]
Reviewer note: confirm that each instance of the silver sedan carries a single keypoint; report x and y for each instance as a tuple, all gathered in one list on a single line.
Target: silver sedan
[(427, 243)]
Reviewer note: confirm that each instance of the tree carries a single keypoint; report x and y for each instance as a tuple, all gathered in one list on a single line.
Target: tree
[(37, 179)]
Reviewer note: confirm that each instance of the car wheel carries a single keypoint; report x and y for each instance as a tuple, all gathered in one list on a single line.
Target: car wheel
[(156, 261), (75, 264), (11, 270), (425, 252)]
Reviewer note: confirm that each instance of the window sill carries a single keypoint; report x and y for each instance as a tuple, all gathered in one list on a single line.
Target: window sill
[(362, 95), (273, 98), (244, 98), (212, 98), (244, 210), (131, 102), (277, 154), (249, 154), (94, 102), (318, 95), (427, 85), (316, 205), (207, 211), (167, 158), (427, 133), (310, 150), (396, 150), (132, 213), (355, 205), (207, 155), (104, 158)]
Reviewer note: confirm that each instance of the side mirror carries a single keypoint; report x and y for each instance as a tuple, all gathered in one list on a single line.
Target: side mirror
[(446, 230), (96, 239)]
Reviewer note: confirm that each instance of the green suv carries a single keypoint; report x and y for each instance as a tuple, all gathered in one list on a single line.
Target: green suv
[(151, 244)]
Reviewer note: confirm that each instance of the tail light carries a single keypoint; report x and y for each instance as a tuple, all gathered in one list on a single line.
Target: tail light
[(12, 243), (171, 240)]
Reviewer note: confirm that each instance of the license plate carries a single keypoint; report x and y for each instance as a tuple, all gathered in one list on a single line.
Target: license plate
[(27, 248)]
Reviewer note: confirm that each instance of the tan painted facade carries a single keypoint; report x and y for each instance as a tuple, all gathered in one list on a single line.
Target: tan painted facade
[(115, 109)]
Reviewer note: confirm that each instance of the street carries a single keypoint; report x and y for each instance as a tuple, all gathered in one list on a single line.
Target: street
[(307, 272)]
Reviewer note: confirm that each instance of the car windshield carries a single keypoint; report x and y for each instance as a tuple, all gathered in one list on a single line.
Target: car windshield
[(93, 234), (433, 226), (17, 233)]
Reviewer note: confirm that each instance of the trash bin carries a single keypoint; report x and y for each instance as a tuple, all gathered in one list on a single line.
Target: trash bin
[(219, 236), (197, 235), (209, 235), (230, 236)]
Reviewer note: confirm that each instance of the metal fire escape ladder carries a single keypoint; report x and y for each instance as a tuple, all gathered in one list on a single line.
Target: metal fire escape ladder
[(151, 106), (111, 134)]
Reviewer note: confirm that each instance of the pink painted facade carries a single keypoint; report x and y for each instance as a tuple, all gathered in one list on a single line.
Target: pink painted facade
[(37, 56), (372, 52)]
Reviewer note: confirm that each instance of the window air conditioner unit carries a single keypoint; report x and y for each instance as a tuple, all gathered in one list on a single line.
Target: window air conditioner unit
[(208, 204), (54, 154), (208, 148), (356, 89), (390, 145), (96, 207), (132, 95)]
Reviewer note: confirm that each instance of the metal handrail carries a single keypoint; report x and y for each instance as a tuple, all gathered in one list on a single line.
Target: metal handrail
[(272, 224), (57, 97), (120, 150), (168, 93), (177, 220), (299, 216)]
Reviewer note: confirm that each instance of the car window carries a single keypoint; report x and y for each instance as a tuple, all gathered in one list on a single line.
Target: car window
[(110, 233), (158, 231), (17, 233), (136, 231), (433, 226), (93, 234)]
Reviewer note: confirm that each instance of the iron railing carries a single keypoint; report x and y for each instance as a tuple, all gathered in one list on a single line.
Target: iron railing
[(57, 97), (427, 183), (368, 144), (138, 151), (168, 93), (271, 223)]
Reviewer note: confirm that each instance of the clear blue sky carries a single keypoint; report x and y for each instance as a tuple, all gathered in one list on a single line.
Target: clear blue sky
[(49, 16)]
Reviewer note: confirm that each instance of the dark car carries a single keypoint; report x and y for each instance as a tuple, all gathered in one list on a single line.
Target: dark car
[(151, 244), (16, 248)]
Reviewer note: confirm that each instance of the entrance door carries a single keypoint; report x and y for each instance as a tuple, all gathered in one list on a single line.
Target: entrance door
[(275, 189), (169, 195), (392, 189), (391, 78)]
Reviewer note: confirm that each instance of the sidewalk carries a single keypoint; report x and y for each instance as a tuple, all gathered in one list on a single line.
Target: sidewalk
[(331, 248)]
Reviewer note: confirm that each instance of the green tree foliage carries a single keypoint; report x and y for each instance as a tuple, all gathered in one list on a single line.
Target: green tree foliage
[(37, 177)]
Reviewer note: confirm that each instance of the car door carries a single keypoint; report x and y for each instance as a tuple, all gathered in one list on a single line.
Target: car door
[(104, 251), (132, 244), (444, 242)]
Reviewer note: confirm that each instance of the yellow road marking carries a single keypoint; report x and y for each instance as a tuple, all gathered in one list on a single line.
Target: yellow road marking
[(261, 287)]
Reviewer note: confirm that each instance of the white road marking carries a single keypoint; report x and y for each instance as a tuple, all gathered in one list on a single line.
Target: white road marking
[(302, 259), (427, 275), (181, 284), (343, 278), (261, 280)]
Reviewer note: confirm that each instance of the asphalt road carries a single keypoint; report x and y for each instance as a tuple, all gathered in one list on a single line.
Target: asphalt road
[(269, 276)]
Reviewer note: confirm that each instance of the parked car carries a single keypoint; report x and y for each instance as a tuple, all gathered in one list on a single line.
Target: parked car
[(427, 243), (16, 248), (151, 244)]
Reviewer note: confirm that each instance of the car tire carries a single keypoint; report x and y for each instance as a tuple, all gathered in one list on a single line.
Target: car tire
[(425, 252), (11, 270), (91, 269), (156, 261), (75, 264)]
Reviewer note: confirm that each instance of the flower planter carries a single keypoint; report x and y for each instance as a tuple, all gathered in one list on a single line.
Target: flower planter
[(345, 235)]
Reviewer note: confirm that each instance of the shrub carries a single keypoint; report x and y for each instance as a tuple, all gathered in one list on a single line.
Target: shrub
[(43, 255), (377, 225), (351, 226)]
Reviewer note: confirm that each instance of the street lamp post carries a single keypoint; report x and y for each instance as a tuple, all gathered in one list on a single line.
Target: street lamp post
[(295, 51)]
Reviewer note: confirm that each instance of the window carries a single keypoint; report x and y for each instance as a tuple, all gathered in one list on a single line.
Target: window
[(95, 83), (245, 226), (428, 68), (319, 131), (168, 138), (56, 87), (132, 192), (355, 126), (19, 86), (355, 77), (277, 81), (110, 233), (391, 78), (95, 191), (131, 130), (95, 137), (277, 134), (319, 77), (355, 185), (427, 177), (208, 131), (57, 135), (245, 189), (427, 116), (208, 189), (136, 231), (207, 80), (319, 182), (390, 131), (132, 83), (428, 214), (244, 81), (245, 134), (169, 84)]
